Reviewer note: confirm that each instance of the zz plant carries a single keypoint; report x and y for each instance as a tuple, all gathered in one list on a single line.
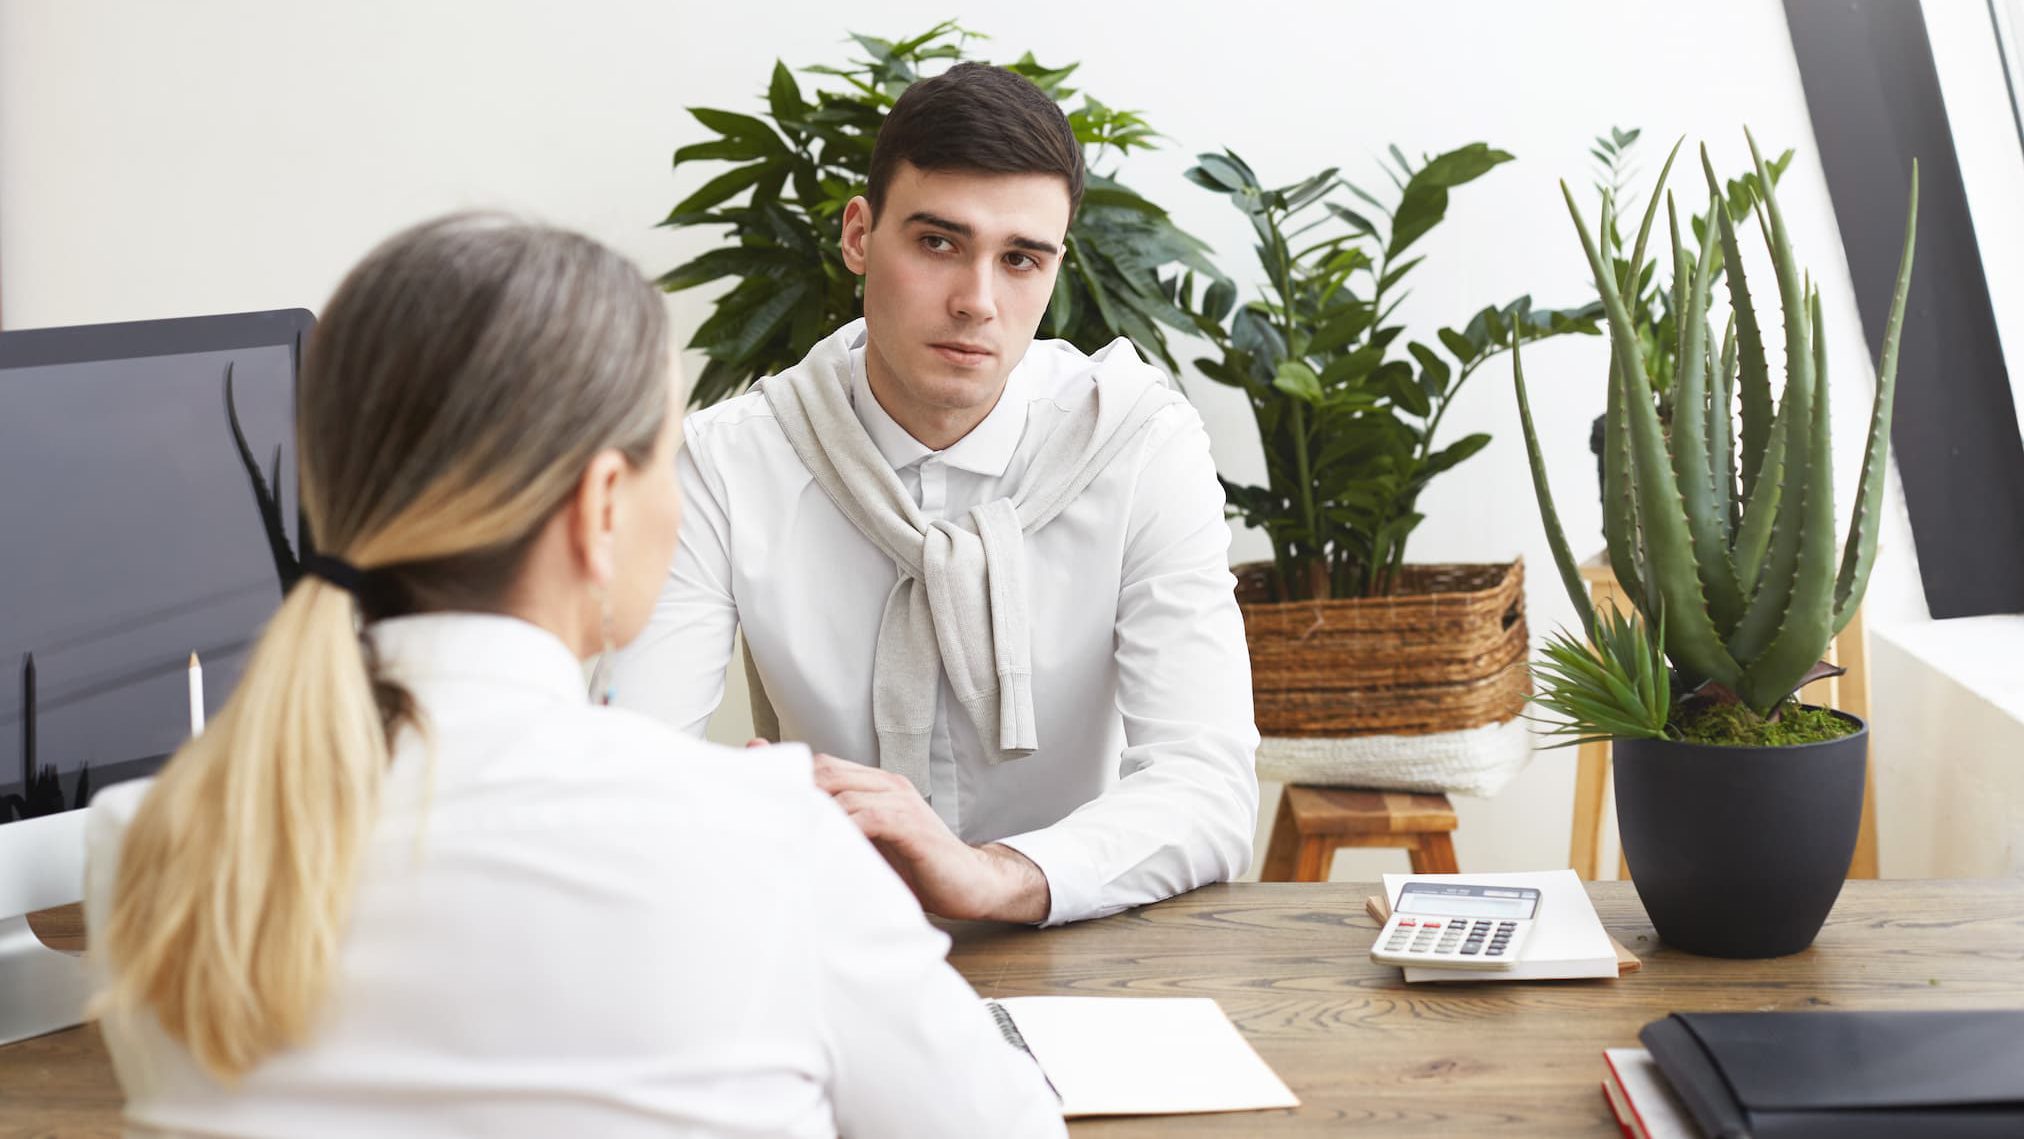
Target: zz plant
[(1721, 531), (1348, 411)]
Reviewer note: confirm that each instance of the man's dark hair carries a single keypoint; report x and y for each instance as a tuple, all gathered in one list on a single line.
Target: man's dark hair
[(979, 118)]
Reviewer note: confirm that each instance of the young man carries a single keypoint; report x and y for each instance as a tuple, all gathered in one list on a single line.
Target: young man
[(992, 572)]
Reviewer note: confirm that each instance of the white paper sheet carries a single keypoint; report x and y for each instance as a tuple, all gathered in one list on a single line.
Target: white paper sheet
[(1144, 1056)]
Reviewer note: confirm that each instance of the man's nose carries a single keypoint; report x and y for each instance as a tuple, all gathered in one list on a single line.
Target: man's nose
[(974, 296)]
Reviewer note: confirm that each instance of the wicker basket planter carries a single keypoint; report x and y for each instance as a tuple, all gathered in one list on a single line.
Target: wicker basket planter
[(1418, 691)]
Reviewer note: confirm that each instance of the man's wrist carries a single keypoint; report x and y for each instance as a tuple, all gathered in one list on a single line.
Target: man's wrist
[(1019, 891)]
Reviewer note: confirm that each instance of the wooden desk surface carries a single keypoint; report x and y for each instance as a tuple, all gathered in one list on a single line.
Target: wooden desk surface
[(1289, 963)]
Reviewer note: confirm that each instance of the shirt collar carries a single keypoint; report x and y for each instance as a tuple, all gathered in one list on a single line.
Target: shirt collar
[(484, 648), (986, 450)]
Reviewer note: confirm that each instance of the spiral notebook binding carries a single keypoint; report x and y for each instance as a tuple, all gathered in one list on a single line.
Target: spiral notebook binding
[(1007, 1028), (1017, 1040)]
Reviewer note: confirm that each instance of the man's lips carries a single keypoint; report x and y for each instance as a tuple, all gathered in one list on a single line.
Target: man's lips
[(961, 352)]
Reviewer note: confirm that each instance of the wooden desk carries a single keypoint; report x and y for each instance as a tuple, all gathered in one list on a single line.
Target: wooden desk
[(1289, 963)]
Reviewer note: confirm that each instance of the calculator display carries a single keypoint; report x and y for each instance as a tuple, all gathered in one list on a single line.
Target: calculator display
[(1468, 901)]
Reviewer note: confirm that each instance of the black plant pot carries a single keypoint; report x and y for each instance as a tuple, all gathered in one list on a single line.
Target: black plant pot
[(1739, 851)]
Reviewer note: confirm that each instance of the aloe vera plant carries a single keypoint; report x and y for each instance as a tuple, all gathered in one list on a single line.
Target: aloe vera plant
[(1721, 531)]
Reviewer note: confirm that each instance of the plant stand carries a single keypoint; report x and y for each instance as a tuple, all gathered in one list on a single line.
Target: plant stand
[(1313, 823)]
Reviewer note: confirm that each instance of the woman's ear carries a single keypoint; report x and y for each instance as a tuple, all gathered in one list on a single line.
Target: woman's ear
[(594, 522)]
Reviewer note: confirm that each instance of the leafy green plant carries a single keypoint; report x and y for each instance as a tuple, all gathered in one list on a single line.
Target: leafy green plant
[(795, 169), (1721, 532), (1348, 415)]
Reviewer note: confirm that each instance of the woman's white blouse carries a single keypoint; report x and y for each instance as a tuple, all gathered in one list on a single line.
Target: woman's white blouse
[(559, 932)]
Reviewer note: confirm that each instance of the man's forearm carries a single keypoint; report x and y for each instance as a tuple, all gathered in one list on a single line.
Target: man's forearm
[(1019, 888)]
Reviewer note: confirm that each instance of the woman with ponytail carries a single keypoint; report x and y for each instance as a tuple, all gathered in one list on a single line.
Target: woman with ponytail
[(413, 880)]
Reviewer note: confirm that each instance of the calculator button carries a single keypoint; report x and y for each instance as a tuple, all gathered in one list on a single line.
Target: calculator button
[(1472, 948)]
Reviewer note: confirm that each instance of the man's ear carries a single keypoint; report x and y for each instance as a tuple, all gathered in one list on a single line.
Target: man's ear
[(594, 517), (856, 231)]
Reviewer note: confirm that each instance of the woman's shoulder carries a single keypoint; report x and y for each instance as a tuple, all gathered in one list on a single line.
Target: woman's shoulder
[(620, 766), (633, 741)]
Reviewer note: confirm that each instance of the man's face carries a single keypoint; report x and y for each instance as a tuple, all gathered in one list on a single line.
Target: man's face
[(957, 274)]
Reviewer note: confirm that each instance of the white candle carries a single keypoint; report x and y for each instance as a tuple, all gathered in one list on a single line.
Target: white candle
[(196, 697)]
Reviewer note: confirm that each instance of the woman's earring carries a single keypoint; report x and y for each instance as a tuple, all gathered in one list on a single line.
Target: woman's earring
[(602, 688)]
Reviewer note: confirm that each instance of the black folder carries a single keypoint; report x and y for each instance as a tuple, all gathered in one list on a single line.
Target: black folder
[(1850, 1075)]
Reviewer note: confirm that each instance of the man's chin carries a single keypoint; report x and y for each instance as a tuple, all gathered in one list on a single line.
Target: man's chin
[(957, 388)]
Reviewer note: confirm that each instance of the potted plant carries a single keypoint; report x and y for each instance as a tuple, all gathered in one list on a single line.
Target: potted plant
[(1121, 270), (1351, 647), (1738, 807)]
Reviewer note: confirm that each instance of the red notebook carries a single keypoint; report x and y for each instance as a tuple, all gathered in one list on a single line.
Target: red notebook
[(1643, 1101)]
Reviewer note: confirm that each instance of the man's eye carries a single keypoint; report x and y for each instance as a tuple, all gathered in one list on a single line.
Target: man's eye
[(936, 243), (1022, 261)]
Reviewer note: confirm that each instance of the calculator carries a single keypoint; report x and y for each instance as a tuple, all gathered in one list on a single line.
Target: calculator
[(1455, 925)]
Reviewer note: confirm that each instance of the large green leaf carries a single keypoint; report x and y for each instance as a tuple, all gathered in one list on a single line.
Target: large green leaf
[(742, 261), (1556, 537), (724, 187), (1753, 375), (1692, 639), (783, 96), (1860, 553), (733, 125), (1424, 201)]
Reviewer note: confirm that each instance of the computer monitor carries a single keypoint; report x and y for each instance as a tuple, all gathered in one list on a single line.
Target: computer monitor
[(144, 516)]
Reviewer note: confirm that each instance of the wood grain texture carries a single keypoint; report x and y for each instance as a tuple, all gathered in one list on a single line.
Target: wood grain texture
[(1289, 963), (60, 928)]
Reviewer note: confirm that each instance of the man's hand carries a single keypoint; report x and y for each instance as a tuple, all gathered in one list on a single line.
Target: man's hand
[(950, 877)]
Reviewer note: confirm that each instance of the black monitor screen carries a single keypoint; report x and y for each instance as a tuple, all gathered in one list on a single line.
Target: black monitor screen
[(131, 536)]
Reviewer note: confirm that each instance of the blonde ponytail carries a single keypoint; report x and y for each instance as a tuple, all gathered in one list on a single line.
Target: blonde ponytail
[(236, 878), (464, 375)]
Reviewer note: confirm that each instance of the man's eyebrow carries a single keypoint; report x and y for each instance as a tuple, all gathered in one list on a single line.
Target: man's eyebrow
[(961, 229), (1033, 245)]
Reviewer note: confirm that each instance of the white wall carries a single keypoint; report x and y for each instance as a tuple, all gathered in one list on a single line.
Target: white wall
[(213, 155)]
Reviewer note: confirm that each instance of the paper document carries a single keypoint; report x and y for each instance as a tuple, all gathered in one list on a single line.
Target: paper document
[(1567, 940), (1142, 1055)]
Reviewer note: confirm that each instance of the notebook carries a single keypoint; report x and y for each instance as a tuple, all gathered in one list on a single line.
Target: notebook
[(1567, 940), (1140, 1055), (1643, 1101), (1834, 1074)]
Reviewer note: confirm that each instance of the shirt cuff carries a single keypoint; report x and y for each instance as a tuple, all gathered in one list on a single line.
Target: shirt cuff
[(1071, 881)]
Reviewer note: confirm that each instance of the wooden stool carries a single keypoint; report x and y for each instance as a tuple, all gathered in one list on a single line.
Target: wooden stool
[(1849, 692), (1314, 822)]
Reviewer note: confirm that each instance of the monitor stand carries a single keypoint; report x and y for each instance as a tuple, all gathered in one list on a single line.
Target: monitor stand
[(41, 989)]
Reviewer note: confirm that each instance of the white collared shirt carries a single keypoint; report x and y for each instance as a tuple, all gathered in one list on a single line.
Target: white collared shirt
[(1144, 785), (557, 931)]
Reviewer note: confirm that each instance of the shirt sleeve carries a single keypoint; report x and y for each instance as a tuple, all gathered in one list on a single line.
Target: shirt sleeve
[(912, 1049), (674, 670), (1185, 809)]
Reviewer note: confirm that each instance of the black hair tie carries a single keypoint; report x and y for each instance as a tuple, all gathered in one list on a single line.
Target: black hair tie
[(337, 572)]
